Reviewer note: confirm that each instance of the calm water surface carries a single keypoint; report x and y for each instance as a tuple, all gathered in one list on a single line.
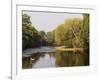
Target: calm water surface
[(48, 57)]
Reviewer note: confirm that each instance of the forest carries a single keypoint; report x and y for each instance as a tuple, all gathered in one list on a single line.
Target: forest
[(72, 33)]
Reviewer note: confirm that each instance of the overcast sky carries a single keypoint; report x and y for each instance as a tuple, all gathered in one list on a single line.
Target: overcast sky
[(48, 21)]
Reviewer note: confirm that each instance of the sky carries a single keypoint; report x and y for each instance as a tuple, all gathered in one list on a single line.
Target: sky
[(48, 21)]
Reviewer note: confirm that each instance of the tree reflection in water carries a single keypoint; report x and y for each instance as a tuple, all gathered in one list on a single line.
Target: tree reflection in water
[(65, 59), (56, 59), (29, 61)]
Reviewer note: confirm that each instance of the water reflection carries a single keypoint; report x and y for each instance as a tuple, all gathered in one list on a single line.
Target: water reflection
[(65, 59), (56, 59)]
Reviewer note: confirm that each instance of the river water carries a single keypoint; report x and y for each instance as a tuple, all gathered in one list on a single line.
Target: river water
[(48, 57)]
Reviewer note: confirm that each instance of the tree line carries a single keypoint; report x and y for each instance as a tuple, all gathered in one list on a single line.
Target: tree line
[(71, 33)]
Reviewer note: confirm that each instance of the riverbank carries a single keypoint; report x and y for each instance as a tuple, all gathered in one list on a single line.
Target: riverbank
[(69, 49), (44, 49), (38, 50)]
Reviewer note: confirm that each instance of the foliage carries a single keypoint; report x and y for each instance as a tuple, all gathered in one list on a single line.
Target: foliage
[(72, 33), (50, 38), (43, 38), (30, 36), (85, 31), (68, 33)]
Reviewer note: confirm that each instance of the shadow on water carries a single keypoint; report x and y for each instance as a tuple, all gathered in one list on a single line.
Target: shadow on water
[(56, 59)]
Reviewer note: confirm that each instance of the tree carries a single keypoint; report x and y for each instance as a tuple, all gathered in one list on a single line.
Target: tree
[(59, 34), (50, 38), (85, 31), (73, 30), (43, 38), (67, 34), (30, 36)]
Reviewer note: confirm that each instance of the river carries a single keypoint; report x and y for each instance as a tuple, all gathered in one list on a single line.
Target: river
[(48, 57)]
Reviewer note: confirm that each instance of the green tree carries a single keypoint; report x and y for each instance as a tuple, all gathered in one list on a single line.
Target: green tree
[(50, 38), (43, 38), (30, 36), (85, 31)]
